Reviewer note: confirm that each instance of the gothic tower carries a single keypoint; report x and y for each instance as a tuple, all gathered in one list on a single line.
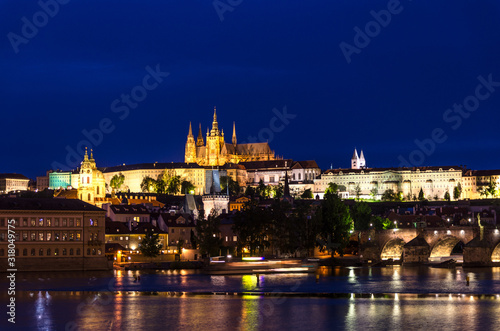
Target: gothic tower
[(234, 135), (215, 140), (190, 155), (199, 141)]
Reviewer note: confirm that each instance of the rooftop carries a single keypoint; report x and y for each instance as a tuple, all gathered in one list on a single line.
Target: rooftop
[(46, 204)]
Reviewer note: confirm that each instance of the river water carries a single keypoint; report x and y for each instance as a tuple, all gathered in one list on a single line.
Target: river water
[(391, 298)]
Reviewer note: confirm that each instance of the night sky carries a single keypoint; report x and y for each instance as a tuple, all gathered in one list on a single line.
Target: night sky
[(379, 90)]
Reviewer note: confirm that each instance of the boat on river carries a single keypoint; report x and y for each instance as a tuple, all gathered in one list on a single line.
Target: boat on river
[(259, 265)]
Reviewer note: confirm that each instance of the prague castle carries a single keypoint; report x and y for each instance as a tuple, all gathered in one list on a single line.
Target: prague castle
[(216, 152)]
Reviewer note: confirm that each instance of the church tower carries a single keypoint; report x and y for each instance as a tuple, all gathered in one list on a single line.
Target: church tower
[(355, 160), (190, 154), (362, 162), (91, 184), (215, 140)]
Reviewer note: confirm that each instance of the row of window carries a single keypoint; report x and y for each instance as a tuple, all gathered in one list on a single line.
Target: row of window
[(48, 252), (41, 221), (111, 238), (45, 236), (48, 222)]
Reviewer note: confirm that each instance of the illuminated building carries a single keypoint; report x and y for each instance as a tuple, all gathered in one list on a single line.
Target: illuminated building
[(216, 152), (214, 200), (59, 179), (135, 173), (179, 228), (238, 203), (373, 182), (13, 183), (42, 182), (130, 238), (53, 234), (87, 182)]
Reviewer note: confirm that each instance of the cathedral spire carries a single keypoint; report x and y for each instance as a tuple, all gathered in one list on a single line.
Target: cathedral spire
[(85, 157), (190, 134), (215, 125), (199, 141), (234, 134)]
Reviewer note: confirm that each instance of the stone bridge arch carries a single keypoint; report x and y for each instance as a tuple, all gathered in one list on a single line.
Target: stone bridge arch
[(393, 249), (495, 254), (444, 246)]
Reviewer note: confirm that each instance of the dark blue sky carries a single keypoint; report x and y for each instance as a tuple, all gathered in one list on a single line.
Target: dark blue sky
[(263, 55)]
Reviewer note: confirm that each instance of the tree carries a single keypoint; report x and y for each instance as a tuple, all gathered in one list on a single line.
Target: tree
[(194, 242), (282, 230), (234, 186), (148, 184), (117, 181), (160, 186), (278, 191), (173, 185), (374, 192), (421, 196), (252, 226), (491, 189), (150, 244), (482, 191), (250, 191), (361, 215), (447, 196), (208, 234), (385, 223), (307, 194), (389, 195), (262, 190), (187, 187), (335, 224), (357, 191), (457, 191), (332, 188)]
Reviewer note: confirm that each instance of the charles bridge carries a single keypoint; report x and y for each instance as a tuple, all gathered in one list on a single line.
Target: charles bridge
[(481, 245)]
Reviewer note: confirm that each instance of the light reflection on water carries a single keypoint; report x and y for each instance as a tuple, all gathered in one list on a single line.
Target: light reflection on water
[(375, 298), (136, 311)]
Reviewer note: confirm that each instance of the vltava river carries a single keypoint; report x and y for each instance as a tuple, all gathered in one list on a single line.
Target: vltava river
[(394, 298)]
